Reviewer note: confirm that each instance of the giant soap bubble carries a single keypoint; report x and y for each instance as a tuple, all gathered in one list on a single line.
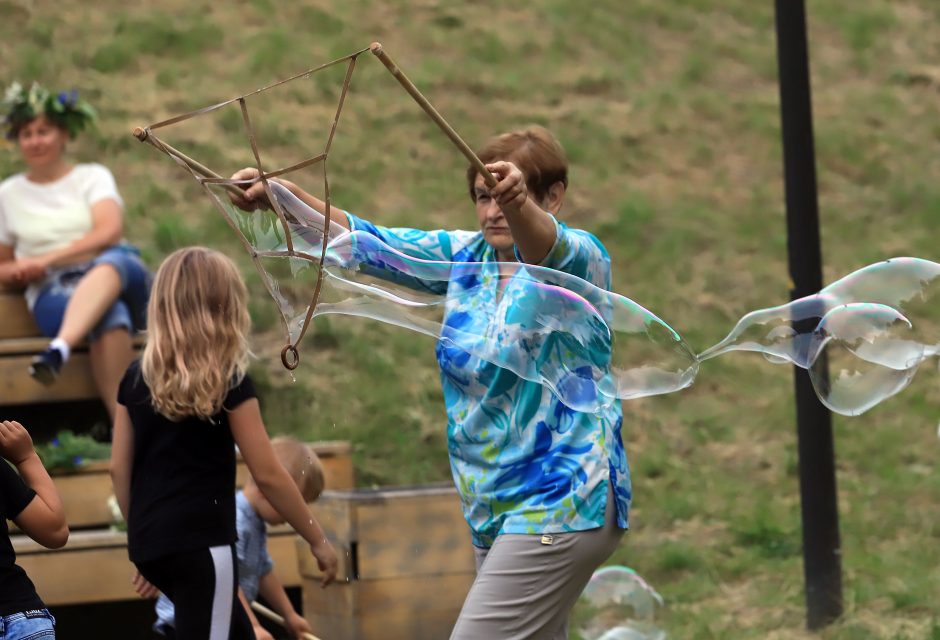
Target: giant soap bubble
[(861, 338), (590, 346)]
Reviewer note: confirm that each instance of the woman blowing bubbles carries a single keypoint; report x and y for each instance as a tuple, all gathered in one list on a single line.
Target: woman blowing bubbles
[(60, 237), (545, 489)]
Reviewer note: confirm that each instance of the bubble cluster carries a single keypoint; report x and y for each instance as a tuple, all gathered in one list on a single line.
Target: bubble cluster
[(618, 604), (861, 338)]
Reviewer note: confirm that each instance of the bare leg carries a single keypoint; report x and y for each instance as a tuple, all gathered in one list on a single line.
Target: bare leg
[(110, 355), (93, 296)]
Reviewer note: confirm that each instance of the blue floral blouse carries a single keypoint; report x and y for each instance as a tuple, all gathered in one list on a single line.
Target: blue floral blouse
[(522, 461)]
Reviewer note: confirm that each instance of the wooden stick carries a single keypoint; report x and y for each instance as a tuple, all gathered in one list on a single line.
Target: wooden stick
[(270, 615), (465, 149), (145, 135)]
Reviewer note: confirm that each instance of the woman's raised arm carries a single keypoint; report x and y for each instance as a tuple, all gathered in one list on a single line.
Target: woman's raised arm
[(533, 229)]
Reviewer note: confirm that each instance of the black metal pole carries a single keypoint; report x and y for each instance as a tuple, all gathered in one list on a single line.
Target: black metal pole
[(822, 566)]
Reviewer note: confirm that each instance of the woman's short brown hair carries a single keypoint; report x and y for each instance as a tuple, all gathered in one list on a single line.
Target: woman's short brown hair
[(534, 150)]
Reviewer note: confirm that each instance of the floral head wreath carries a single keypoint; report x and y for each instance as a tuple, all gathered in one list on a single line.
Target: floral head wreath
[(65, 109)]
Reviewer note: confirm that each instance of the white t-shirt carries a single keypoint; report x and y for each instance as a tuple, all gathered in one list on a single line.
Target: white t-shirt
[(38, 218)]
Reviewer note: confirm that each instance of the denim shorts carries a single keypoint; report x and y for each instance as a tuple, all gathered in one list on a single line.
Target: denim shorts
[(28, 625), (129, 311)]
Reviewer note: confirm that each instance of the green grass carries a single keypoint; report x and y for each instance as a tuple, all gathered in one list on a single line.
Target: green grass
[(669, 114), (157, 35)]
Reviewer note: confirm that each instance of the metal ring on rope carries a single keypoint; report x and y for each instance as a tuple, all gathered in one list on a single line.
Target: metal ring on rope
[(290, 357)]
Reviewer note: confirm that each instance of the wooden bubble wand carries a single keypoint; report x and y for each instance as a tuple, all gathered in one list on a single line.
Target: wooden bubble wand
[(379, 52), (257, 607), (290, 356)]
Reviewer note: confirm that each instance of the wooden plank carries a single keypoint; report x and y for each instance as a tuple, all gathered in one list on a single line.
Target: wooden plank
[(396, 532), (93, 566), (15, 318), (85, 492), (283, 548), (338, 471), (27, 345), (85, 495), (337, 517), (93, 575), (333, 448), (329, 611), (363, 495), (34, 344), (418, 607), (414, 535), (414, 624), (335, 456), (17, 387), (78, 542)]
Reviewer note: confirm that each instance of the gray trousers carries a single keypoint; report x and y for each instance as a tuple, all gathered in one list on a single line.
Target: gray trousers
[(525, 588)]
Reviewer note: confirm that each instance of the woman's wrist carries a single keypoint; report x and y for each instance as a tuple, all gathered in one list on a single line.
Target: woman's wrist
[(26, 460)]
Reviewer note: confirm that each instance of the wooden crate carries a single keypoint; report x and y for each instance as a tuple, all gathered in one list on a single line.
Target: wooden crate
[(93, 566), (406, 564), (85, 491)]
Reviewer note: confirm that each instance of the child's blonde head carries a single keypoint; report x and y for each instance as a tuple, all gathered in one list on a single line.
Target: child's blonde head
[(303, 465), (197, 324)]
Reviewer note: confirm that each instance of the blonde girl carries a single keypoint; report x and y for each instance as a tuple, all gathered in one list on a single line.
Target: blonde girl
[(181, 410)]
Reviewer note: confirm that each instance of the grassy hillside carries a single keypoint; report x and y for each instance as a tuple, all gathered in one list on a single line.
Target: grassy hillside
[(669, 113)]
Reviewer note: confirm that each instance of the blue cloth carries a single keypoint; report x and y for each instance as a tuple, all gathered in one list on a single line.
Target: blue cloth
[(522, 461), (27, 625), (254, 561), (128, 311)]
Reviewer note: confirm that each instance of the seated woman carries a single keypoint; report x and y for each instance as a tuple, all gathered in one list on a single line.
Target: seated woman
[(60, 239)]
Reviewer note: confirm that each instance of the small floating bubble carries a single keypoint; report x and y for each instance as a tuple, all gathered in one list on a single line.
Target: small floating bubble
[(618, 604)]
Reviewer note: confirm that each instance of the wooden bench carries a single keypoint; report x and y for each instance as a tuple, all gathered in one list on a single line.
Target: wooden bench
[(20, 340), (93, 566)]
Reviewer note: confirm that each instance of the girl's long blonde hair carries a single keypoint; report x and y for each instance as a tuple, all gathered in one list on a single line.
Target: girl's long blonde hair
[(197, 324)]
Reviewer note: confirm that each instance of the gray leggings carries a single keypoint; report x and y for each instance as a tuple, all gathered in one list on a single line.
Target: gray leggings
[(524, 589)]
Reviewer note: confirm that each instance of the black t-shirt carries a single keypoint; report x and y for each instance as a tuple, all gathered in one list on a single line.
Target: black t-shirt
[(17, 592), (183, 478)]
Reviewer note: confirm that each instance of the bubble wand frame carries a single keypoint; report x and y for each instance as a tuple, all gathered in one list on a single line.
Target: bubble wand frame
[(379, 52), (290, 356)]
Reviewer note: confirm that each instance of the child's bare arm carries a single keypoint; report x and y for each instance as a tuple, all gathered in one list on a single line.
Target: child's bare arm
[(122, 462), (122, 458), (271, 589), (260, 632), (276, 484), (43, 519)]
